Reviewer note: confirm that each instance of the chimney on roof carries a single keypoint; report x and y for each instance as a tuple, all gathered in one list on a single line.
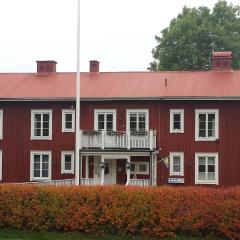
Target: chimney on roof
[(94, 66), (46, 67), (221, 60)]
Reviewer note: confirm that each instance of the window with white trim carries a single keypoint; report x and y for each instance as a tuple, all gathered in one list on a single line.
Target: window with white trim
[(41, 124), (176, 120), (68, 120), (176, 164), (40, 166), (206, 124), (105, 119), (1, 124), (67, 162), (1, 166), (206, 168), (139, 167), (137, 120)]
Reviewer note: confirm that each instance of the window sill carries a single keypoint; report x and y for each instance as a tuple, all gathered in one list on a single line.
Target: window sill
[(206, 182), (67, 172), (41, 138), (207, 139)]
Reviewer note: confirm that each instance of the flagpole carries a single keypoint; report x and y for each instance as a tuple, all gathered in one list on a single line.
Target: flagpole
[(77, 115)]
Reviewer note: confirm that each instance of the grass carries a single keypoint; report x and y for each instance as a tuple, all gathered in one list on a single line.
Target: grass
[(29, 235)]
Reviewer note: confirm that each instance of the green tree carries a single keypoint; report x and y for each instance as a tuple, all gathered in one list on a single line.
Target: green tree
[(190, 38)]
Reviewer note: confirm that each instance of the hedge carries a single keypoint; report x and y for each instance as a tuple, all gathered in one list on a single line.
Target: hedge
[(158, 212)]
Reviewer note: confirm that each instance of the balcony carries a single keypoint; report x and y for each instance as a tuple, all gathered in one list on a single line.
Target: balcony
[(118, 140)]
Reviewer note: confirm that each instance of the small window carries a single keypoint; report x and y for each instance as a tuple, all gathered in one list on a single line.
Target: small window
[(40, 166), (137, 120), (206, 168), (68, 120), (105, 120), (1, 124), (41, 124), (206, 125), (67, 162), (139, 168), (176, 121), (176, 164)]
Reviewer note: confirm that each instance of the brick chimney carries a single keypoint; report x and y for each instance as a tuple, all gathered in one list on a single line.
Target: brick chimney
[(222, 60), (94, 66), (46, 67)]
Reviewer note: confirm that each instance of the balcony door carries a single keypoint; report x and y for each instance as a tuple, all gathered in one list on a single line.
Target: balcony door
[(105, 119)]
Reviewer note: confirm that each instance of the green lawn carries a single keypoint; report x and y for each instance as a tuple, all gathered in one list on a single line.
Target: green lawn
[(28, 235)]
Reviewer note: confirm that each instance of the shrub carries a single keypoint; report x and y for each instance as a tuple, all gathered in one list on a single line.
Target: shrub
[(159, 212)]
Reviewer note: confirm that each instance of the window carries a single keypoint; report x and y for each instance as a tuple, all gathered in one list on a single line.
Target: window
[(68, 120), (176, 120), (105, 120), (206, 168), (137, 120), (139, 167), (206, 125), (41, 126), (1, 124), (40, 166), (67, 162), (1, 165), (176, 164)]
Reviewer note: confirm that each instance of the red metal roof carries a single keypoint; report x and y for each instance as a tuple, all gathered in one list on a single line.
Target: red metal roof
[(115, 85)]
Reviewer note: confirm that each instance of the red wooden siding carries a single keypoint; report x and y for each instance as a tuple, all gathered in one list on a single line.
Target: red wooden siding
[(16, 144)]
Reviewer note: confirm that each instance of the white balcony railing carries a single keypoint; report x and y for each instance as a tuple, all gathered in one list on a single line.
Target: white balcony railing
[(127, 140), (139, 182), (89, 181), (62, 182)]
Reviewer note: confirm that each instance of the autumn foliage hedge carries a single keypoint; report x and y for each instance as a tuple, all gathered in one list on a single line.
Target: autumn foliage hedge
[(159, 212)]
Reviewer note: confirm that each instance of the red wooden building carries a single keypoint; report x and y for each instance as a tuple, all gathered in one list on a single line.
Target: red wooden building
[(137, 128)]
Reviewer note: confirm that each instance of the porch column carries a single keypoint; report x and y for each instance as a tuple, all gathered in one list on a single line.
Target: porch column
[(150, 169), (154, 166), (128, 166), (80, 168), (86, 166), (102, 169)]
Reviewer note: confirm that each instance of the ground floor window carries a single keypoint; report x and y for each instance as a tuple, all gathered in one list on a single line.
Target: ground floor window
[(67, 162), (40, 166), (176, 164), (206, 168), (139, 167)]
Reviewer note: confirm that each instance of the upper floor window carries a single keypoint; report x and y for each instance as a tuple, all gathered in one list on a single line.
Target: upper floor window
[(206, 124), (67, 162), (176, 164), (68, 120), (40, 166), (41, 124), (137, 120), (176, 120), (105, 119), (1, 124), (206, 168)]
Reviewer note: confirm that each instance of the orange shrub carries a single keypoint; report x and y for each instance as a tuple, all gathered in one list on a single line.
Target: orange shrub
[(159, 212)]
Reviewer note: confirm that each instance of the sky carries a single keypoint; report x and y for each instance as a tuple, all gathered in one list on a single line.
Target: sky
[(118, 33)]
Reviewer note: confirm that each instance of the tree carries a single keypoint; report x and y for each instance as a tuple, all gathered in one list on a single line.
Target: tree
[(190, 38)]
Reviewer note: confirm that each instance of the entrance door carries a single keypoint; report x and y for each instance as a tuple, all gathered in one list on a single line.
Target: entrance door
[(110, 171)]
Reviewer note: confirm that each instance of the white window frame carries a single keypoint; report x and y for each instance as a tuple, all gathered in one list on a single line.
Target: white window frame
[(32, 178), (104, 111), (1, 124), (129, 111), (63, 170), (197, 181), (41, 111), (177, 154), (137, 168), (177, 111), (1, 166), (64, 112), (206, 111)]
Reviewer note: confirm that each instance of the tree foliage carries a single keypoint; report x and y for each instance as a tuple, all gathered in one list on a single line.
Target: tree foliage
[(190, 38)]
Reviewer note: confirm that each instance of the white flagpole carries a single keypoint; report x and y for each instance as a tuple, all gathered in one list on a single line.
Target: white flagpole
[(77, 115)]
